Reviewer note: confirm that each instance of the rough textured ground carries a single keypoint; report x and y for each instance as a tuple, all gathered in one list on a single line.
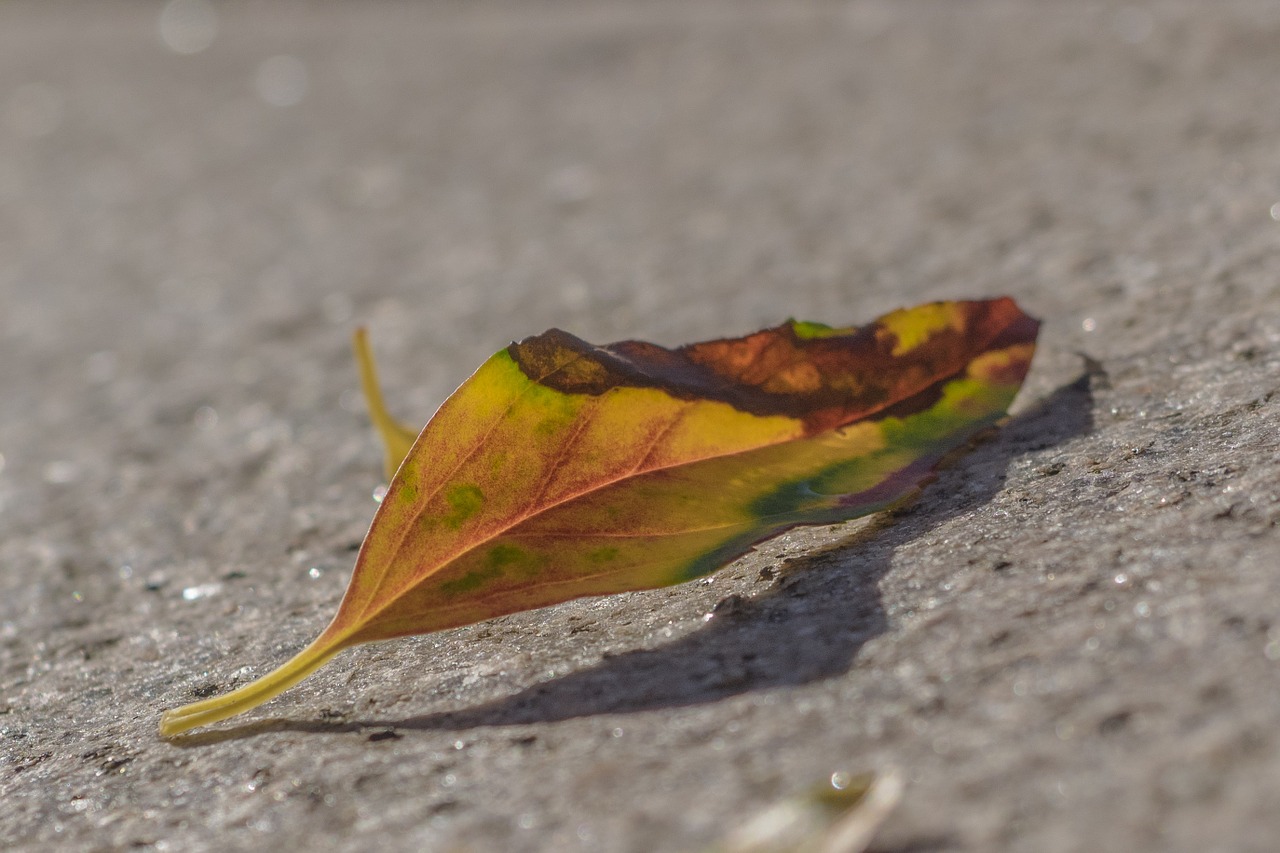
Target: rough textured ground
[(1070, 643)]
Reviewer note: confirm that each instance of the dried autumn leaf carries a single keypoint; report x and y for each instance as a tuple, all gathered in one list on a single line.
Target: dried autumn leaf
[(561, 469)]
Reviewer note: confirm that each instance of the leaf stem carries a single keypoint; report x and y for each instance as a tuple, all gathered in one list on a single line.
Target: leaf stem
[(178, 720), (396, 437)]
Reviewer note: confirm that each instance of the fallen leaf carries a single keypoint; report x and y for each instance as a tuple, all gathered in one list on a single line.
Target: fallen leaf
[(561, 469)]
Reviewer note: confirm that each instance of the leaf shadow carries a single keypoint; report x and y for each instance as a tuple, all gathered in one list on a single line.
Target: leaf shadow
[(809, 626)]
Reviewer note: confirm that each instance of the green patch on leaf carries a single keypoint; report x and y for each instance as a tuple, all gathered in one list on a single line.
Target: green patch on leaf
[(465, 500), (471, 581)]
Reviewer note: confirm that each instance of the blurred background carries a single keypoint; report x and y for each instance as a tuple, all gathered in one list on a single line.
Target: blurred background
[(199, 200)]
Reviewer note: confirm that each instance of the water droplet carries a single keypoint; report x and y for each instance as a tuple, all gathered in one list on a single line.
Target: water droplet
[(125, 572), (379, 493), (206, 418), (187, 26), (77, 596), (1272, 650), (840, 780), (1275, 211), (1142, 610), (1089, 324), (1122, 579), (194, 593), (281, 81), (616, 732), (314, 572)]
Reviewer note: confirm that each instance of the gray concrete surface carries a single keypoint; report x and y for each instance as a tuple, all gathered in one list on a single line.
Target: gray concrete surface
[(1070, 643)]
